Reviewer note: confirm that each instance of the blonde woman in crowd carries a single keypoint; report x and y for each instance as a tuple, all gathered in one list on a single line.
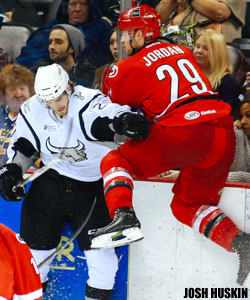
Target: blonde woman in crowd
[(212, 55)]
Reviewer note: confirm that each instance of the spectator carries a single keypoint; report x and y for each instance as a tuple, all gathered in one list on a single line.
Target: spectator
[(240, 168), (102, 73), (71, 118), (66, 42), (19, 275), (81, 14), (5, 58), (16, 86), (212, 55), (191, 129), (227, 16), (110, 10)]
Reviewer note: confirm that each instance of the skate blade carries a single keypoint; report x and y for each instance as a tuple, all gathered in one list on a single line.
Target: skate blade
[(117, 239)]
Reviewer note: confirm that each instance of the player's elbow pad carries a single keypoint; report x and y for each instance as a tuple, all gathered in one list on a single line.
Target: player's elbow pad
[(132, 125)]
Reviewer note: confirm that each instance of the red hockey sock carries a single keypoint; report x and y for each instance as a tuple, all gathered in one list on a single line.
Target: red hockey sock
[(219, 228), (118, 197)]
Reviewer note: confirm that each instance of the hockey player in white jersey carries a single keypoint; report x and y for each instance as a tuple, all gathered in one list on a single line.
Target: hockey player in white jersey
[(73, 122)]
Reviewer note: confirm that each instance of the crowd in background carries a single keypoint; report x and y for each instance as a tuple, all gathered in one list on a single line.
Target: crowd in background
[(82, 37)]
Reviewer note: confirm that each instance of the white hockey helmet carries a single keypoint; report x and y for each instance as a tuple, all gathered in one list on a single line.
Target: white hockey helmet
[(50, 82)]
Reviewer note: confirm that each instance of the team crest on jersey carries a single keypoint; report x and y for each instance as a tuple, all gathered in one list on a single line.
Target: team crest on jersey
[(113, 72), (191, 115), (20, 240), (71, 154), (79, 95)]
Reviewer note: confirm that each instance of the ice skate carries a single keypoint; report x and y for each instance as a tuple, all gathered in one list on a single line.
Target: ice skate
[(241, 245), (123, 230)]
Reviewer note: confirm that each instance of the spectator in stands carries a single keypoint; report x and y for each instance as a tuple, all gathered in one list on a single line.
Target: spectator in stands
[(102, 73), (240, 169), (16, 86), (5, 58), (19, 275), (66, 42), (81, 14), (247, 85), (110, 9), (227, 16), (212, 55)]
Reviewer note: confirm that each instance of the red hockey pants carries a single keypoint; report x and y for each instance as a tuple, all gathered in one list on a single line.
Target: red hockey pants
[(203, 151)]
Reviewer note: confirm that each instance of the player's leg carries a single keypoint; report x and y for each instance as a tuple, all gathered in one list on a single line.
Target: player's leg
[(164, 149), (102, 268), (102, 264), (197, 193), (41, 224), (198, 188)]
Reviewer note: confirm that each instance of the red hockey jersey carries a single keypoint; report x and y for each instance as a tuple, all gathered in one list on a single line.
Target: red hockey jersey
[(19, 275), (159, 80)]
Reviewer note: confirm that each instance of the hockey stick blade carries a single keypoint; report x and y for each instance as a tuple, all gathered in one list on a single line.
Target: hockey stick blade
[(77, 232)]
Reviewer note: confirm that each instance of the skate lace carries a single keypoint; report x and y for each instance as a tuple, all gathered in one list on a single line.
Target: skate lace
[(116, 217)]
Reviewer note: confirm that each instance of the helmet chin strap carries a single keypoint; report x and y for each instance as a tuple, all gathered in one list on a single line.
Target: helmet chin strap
[(135, 50)]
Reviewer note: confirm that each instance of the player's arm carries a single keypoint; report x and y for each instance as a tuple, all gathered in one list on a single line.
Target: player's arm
[(109, 119), (25, 144), (21, 155)]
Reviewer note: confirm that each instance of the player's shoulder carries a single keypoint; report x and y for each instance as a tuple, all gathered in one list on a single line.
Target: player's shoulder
[(7, 234), (32, 106), (83, 94), (5, 230)]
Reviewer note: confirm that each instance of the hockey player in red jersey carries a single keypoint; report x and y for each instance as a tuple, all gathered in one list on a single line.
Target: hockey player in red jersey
[(191, 129), (19, 275)]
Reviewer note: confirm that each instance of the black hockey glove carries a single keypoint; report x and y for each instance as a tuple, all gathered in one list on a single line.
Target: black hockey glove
[(10, 176), (132, 125)]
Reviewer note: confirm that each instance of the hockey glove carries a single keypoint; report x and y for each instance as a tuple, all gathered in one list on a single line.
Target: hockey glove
[(10, 176), (132, 125)]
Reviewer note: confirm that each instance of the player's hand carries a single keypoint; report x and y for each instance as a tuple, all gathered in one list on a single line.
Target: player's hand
[(10, 176), (132, 125)]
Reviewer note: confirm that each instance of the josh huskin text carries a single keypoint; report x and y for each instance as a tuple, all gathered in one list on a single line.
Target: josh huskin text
[(216, 293)]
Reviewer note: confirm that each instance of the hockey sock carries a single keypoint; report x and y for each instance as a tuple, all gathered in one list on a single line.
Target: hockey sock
[(97, 294), (118, 197), (216, 226), (44, 285)]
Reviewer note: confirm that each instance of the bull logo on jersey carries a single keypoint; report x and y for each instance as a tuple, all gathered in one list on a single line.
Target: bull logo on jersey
[(71, 154)]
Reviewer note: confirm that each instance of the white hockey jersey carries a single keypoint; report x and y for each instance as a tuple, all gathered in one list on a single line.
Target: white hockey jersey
[(82, 153)]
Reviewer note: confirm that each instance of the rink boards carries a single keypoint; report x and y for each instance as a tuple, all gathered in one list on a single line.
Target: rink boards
[(171, 258)]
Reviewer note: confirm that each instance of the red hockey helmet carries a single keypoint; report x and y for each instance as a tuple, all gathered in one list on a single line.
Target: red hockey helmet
[(142, 17)]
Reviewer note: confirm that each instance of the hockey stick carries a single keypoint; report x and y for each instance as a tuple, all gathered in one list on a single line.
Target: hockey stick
[(71, 239), (45, 168), (38, 173)]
